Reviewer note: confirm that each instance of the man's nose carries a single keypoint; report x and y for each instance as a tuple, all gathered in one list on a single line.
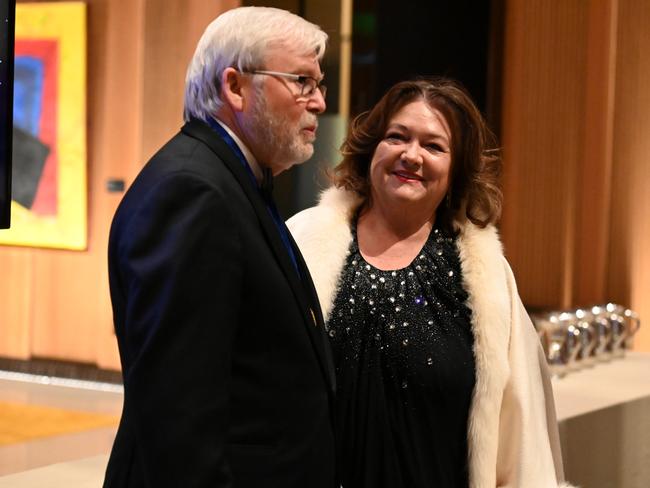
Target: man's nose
[(316, 103)]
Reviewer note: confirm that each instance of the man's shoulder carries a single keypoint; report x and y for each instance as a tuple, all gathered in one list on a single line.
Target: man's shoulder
[(183, 156), (185, 151), (183, 164)]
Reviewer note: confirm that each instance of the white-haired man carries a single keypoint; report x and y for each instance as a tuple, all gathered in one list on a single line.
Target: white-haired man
[(228, 379)]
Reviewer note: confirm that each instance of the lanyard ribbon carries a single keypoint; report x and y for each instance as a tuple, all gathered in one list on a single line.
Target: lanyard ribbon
[(265, 189)]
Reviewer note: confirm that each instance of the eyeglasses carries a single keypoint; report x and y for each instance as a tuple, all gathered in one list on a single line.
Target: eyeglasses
[(308, 84)]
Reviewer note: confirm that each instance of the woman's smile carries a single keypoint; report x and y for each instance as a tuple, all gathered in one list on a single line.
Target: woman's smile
[(407, 176)]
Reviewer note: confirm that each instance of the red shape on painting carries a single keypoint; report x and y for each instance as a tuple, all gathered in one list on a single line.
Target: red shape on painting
[(45, 202)]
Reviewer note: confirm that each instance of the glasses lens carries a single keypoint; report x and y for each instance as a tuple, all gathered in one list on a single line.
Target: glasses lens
[(308, 87)]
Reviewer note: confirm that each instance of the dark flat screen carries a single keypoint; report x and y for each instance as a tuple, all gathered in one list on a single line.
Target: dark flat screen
[(7, 25)]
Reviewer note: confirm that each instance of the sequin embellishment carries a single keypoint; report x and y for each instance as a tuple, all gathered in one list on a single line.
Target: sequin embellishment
[(413, 310)]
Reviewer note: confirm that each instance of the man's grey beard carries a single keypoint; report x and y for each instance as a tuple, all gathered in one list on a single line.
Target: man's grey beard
[(281, 140)]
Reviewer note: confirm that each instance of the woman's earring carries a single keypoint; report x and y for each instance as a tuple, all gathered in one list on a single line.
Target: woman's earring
[(448, 199)]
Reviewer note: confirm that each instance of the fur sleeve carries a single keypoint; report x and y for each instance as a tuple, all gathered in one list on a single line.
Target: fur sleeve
[(513, 437), (529, 444)]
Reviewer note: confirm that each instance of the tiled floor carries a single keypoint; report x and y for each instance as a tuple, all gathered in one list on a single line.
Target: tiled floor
[(25, 456), (601, 410)]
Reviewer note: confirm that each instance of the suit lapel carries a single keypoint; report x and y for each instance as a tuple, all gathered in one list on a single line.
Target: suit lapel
[(310, 308), (317, 330)]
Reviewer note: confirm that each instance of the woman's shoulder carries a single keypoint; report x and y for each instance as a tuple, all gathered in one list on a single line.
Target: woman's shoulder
[(477, 240), (481, 251), (333, 211), (481, 247)]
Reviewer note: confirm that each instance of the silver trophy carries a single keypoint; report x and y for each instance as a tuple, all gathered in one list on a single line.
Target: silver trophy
[(633, 325), (561, 341), (589, 337), (577, 338)]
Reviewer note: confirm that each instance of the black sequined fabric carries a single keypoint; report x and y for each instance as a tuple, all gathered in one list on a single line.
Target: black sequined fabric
[(402, 343)]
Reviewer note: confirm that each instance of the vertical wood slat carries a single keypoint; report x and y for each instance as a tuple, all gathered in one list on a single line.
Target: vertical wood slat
[(593, 218), (16, 269), (345, 74), (629, 252), (116, 33), (543, 110), (171, 32)]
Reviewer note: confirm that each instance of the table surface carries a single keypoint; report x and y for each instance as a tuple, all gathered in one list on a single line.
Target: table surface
[(603, 385)]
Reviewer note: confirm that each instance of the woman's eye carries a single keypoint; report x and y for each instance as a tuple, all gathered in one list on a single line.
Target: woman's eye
[(395, 136), (435, 148)]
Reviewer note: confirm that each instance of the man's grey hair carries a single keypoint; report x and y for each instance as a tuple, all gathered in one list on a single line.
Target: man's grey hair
[(241, 38)]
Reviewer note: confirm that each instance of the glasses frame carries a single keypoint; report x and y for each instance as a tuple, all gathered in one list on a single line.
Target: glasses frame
[(302, 80)]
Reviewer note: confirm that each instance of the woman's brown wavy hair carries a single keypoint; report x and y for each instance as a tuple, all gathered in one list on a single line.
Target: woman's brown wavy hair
[(474, 193)]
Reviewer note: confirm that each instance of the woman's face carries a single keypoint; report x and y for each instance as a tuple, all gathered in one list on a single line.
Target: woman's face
[(411, 163)]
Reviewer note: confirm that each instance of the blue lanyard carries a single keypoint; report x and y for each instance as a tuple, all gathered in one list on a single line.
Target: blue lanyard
[(270, 205), (233, 145)]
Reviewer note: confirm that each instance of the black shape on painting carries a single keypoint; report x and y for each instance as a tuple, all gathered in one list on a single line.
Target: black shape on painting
[(29, 157)]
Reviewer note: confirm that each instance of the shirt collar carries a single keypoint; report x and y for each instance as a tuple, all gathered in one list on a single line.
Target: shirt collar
[(250, 159)]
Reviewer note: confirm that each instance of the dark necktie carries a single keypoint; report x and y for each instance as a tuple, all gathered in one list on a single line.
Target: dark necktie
[(266, 189)]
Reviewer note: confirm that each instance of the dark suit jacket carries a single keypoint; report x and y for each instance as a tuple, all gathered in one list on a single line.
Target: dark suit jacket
[(228, 379)]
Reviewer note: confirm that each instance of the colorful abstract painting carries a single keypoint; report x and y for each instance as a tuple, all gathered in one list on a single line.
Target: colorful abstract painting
[(49, 190)]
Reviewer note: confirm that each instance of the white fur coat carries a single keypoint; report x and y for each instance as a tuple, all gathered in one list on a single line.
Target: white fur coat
[(512, 432)]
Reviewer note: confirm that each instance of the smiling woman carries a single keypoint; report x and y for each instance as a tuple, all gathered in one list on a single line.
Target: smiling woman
[(409, 175), (473, 192), (439, 369)]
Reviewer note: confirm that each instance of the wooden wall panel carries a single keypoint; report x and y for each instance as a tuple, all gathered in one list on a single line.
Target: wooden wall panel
[(70, 305), (629, 257), (16, 268), (115, 135), (576, 126), (543, 121), (72, 315), (172, 31)]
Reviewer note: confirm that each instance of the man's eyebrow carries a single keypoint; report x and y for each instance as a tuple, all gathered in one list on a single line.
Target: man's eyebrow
[(304, 71)]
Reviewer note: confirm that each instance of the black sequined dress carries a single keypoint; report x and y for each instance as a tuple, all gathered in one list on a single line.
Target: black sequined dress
[(402, 344)]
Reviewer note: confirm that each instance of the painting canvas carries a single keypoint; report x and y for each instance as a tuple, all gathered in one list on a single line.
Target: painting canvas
[(49, 187)]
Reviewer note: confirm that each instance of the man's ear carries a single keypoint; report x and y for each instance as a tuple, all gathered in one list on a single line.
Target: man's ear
[(232, 89)]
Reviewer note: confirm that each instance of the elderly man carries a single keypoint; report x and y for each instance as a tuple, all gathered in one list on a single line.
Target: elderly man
[(228, 379)]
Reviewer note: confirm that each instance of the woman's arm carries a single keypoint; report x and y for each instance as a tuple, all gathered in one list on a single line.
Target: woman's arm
[(529, 445)]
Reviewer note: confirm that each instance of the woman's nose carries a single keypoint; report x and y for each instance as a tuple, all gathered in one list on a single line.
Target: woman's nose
[(412, 154)]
